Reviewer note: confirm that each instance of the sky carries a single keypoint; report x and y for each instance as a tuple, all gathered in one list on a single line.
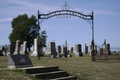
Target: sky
[(75, 30)]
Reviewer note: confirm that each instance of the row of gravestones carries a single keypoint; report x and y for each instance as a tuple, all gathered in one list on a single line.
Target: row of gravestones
[(16, 49), (50, 49)]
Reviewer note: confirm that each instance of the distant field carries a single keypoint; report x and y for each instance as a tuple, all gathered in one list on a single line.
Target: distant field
[(81, 67)]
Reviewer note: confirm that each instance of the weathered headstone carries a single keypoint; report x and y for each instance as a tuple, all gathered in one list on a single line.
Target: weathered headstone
[(19, 61), (24, 48), (100, 51), (95, 48), (11, 49), (71, 49), (17, 47), (35, 53), (107, 49), (90, 49), (85, 49), (58, 49), (51, 48), (77, 50), (65, 52)]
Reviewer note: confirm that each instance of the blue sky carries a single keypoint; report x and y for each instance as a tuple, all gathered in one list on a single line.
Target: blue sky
[(75, 30)]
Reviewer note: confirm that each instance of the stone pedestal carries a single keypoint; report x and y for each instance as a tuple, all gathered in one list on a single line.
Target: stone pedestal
[(17, 47)]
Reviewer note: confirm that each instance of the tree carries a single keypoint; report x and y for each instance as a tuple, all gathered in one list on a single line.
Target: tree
[(24, 29), (43, 39)]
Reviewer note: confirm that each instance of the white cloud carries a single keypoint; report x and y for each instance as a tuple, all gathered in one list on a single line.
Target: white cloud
[(5, 19)]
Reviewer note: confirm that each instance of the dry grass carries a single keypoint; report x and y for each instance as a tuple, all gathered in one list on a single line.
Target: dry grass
[(82, 67)]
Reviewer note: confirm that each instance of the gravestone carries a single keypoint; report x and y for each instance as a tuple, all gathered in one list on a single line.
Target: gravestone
[(65, 52), (85, 49), (77, 50), (17, 47), (24, 48), (51, 48), (11, 49), (21, 49), (100, 51), (107, 49), (95, 48), (58, 49), (19, 61), (71, 49), (35, 48), (90, 49)]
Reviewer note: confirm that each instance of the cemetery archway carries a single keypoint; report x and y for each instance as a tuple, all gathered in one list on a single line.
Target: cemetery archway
[(66, 12)]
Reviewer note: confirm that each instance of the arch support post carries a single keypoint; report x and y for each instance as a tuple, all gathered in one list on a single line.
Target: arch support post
[(38, 40), (92, 42)]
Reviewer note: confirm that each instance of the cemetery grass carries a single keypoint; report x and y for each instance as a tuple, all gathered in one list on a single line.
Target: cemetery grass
[(81, 67)]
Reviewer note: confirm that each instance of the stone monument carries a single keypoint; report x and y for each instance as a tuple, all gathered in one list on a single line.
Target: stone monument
[(35, 48), (107, 49), (17, 47), (24, 48), (100, 51), (58, 49), (19, 61), (71, 49), (77, 50), (51, 48), (90, 49), (85, 49)]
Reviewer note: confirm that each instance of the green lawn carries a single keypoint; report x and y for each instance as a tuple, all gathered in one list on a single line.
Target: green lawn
[(81, 67)]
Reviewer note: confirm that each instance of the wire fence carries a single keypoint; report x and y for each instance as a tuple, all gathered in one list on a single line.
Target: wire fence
[(107, 53)]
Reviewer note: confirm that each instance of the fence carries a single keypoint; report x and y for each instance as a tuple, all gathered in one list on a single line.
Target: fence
[(108, 53)]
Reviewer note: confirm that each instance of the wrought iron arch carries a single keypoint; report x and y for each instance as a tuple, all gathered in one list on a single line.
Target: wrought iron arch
[(73, 13), (65, 12)]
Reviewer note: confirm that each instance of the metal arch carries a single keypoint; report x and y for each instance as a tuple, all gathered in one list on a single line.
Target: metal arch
[(65, 12), (74, 13)]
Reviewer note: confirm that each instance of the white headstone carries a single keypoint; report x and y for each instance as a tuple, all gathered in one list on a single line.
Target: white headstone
[(35, 48), (17, 47)]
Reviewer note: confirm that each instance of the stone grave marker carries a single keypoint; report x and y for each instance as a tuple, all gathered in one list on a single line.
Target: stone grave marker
[(107, 49), (35, 48), (58, 49), (17, 47), (24, 48), (77, 50), (51, 49), (100, 51), (19, 61), (85, 49)]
